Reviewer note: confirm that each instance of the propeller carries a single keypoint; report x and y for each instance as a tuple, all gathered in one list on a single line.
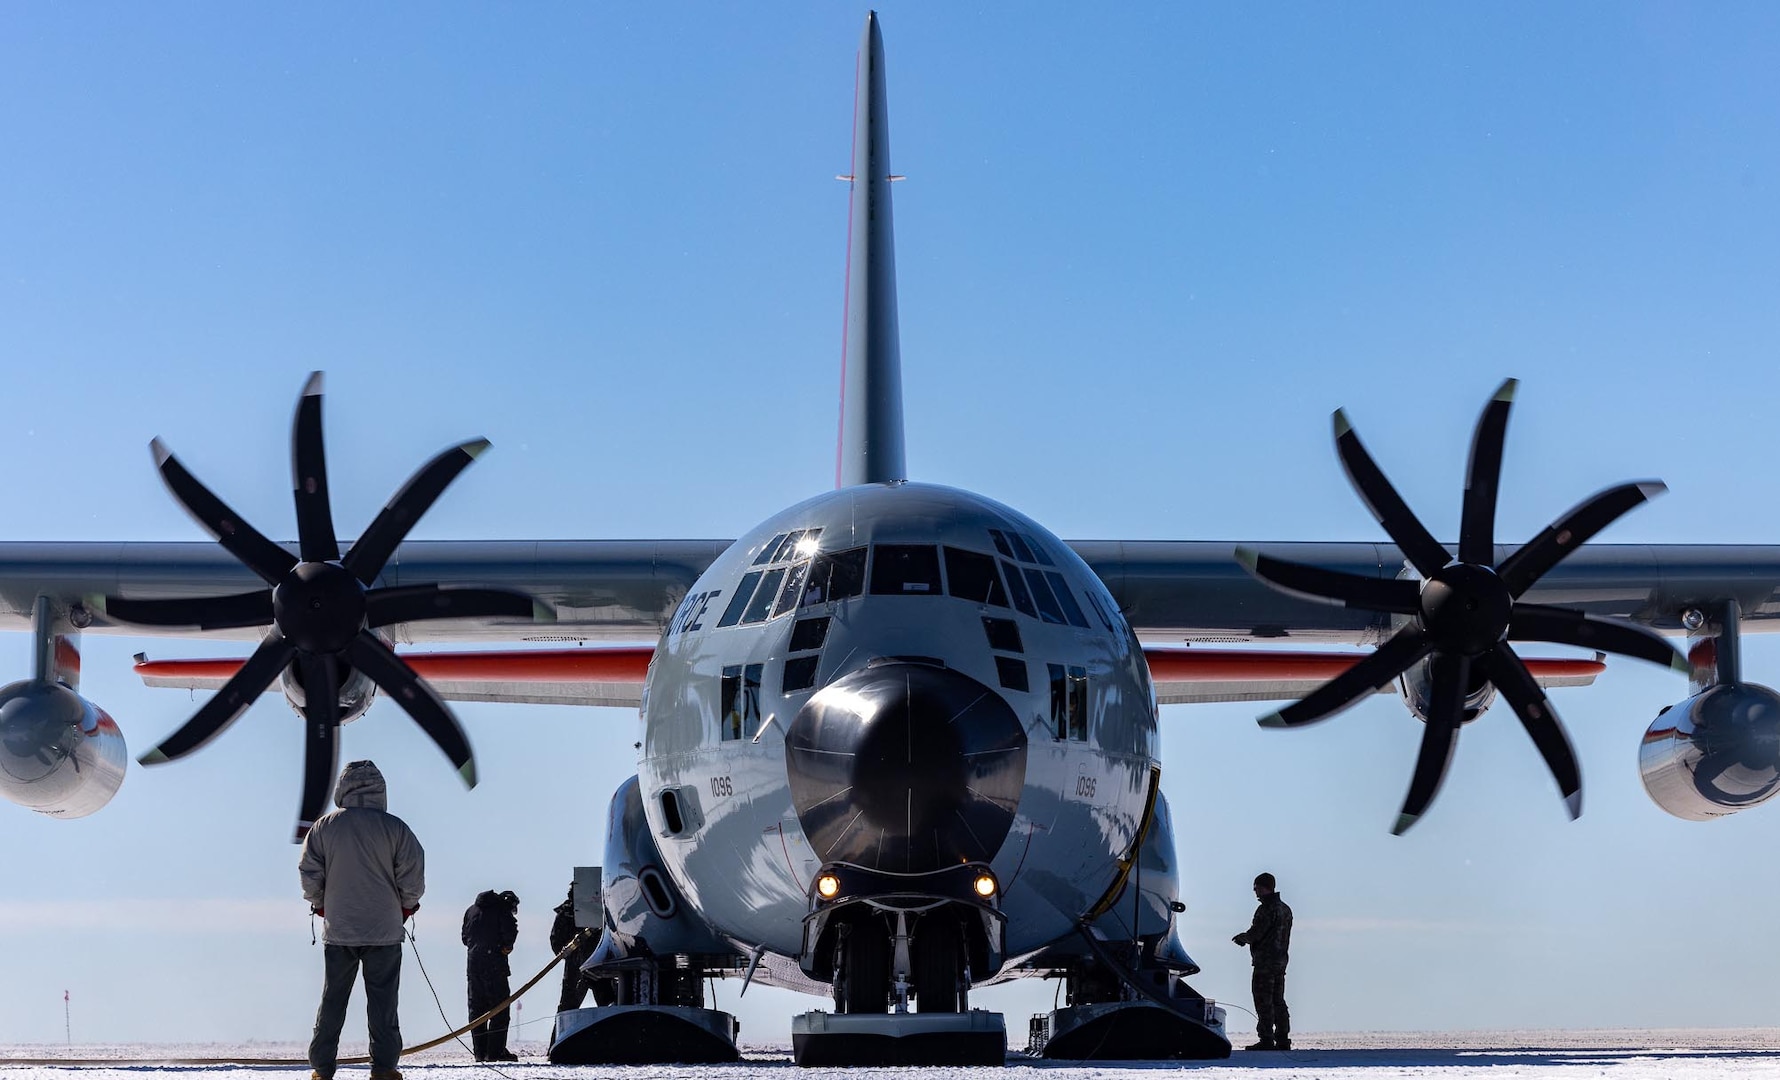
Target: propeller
[(321, 606), (1463, 612)]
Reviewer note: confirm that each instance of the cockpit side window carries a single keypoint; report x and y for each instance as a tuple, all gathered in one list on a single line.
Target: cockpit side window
[(972, 576), (740, 702), (1071, 610), (739, 602), (1048, 608), (1069, 701), (794, 579), (905, 570), (1038, 549), (771, 549), (763, 598), (835, 576), (1016, 587)]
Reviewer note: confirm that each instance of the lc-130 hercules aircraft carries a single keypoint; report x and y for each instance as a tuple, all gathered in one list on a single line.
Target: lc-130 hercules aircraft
[(899, 740)]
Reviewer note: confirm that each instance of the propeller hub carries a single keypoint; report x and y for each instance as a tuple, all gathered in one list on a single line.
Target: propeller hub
[(1465, 608), (319, 607)]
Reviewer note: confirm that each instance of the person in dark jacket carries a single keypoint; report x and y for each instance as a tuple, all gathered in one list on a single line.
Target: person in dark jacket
[(363, 872), (1269, 941), (562, 932), (491, 926)]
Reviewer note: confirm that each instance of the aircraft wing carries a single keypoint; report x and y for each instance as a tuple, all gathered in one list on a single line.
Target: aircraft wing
[(626, 590), (1196, 591), (601, 590)]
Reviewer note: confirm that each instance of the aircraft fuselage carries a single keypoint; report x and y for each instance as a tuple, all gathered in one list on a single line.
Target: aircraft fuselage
[(1019, 729)]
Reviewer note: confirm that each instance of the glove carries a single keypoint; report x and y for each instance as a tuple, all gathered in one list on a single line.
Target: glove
[(316, 910), (408, 912)]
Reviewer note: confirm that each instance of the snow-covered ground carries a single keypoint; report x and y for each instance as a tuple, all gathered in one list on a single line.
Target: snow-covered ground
[(1498, 1055)]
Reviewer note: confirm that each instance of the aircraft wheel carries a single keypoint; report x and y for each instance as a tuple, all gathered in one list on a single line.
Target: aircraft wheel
[(937, 963), (865, 972)]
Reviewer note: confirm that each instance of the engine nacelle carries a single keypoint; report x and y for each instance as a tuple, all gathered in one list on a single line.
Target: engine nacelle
[(1714, 754), (356, 692), (60, 754), (1416, 688)]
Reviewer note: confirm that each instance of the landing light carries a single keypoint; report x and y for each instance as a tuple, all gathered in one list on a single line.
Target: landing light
[(985, 885), (828, 886)]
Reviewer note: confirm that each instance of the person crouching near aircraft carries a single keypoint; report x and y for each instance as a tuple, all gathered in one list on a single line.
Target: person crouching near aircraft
[(363, 872), (491, 926), (1269, 940)]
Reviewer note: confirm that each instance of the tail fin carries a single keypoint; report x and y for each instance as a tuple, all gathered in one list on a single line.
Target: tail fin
[(870, 447)]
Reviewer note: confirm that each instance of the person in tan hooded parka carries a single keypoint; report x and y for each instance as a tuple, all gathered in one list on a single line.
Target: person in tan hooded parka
[(363, 872)]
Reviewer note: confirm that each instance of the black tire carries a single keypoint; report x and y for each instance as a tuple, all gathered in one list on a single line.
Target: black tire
[(865, 974), (936, 955)]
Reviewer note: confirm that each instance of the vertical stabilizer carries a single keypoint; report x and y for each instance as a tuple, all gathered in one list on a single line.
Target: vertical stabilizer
[(870, 450)]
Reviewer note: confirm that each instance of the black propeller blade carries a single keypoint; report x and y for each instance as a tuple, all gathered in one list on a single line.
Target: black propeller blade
[(321, 607), (1464, 611)]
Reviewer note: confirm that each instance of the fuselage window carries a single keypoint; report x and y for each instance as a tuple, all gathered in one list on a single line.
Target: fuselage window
[(1048, 608), (970, 576), (1021, 551), (1069, 701), (794, 579), (1004, 634), (764, 596), (1016, 588), (740, 700), (905, 570), (809, 634), (836, 576), (739, 602), (1038, 549), (800, 673), (769, 551), (1012, 673), (1001, 544), (1071, 610)]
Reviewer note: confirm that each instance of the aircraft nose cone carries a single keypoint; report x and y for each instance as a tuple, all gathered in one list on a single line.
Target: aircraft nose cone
[(906, 768)]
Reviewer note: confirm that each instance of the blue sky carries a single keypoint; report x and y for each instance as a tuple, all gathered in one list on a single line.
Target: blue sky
[(1143, 253)]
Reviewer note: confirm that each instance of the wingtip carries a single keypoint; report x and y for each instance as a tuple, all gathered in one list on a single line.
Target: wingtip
[(1505, 392), (312, 388), (1404, 821)]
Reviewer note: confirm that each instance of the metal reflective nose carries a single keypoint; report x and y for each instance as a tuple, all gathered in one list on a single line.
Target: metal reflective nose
[(906, 768)]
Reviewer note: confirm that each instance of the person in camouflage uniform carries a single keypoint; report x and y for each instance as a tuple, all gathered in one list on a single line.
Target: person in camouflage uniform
[(1269, 940)]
